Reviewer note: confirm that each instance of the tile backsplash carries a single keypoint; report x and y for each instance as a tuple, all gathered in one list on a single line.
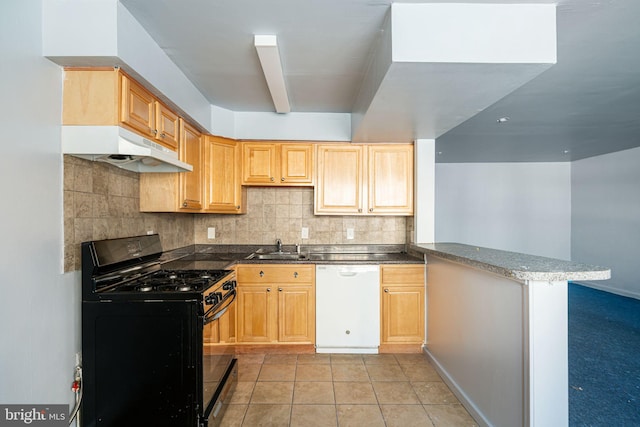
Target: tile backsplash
[(280, 213), (102, 201)]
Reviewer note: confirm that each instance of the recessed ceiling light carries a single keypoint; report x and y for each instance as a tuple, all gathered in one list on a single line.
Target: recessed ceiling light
[(566, 151), (503, 120)]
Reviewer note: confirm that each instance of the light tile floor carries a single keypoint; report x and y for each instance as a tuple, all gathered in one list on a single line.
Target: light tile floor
[(342, 390)]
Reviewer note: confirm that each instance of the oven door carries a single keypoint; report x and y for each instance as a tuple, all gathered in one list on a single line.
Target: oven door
[(219, 366)]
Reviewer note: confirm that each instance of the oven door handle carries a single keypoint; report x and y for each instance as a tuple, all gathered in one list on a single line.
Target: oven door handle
[(215, 312)]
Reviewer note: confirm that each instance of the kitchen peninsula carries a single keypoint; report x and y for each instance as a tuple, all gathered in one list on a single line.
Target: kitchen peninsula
[(497, 330)]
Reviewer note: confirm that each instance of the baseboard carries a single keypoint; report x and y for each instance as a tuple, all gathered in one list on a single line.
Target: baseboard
[(599, 286), (455, 389)]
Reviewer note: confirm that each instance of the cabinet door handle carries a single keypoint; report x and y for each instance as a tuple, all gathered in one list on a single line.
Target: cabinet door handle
[(238, 207), (261, 273), (279, 289), (154, 131), (268, 289), (282, 179), (295, 274), (162, 135), (184, 204), (370, 209), (359, 209), (386, 290), (272, 179)]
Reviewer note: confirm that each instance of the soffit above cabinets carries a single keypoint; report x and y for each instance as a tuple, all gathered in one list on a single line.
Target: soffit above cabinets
[(586, 104)]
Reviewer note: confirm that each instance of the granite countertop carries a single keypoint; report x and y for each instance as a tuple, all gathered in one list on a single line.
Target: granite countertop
[(513, 264), (226, 256)]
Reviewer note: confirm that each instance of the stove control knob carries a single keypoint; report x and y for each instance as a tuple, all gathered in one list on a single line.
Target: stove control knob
[(229, 286), (213, 298)]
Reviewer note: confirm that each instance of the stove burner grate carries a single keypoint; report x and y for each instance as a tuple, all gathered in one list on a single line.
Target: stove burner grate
[(177, 281)]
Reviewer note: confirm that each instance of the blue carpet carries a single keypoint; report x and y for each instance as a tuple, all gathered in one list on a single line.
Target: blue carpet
[(604, 358)]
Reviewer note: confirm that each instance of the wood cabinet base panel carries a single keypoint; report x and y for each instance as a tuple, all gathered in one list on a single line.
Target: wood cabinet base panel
[(400, 348), (275, 348)]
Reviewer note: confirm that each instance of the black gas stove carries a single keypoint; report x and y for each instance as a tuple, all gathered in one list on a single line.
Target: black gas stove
[(144, 360)]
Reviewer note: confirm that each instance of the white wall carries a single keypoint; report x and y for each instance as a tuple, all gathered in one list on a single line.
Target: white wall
[(424, 191), (606, 217), (39, 306), (520, 207)]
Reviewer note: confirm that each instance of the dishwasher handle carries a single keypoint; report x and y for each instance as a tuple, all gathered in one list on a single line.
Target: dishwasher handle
[(347, 273)]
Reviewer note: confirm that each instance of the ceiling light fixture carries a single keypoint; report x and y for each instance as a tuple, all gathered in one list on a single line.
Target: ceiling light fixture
[(267, 47), (503, 120)]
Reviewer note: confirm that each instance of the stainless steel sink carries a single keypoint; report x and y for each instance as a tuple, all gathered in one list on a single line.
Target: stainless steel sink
[(284, 256)]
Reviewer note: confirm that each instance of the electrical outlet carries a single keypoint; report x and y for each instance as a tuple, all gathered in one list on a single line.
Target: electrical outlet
[(350, 234), (305, 232), (211, 233)]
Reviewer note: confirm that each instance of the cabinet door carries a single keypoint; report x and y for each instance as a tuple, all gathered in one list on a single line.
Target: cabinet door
[(257, 312), (339, 182), (390, 179), (227, 325), (402, 296), (221, 330), (296, 164), (211, 332), (167, 127), (224, 193), (191, 151), (137, 108), (296, 313), (260, 164), (403, 314)]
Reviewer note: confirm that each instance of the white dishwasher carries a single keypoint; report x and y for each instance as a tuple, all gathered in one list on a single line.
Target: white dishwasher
[(347, 308)]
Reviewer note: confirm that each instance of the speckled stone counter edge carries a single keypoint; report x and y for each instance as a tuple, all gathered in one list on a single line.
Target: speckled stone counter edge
[(513, 264)]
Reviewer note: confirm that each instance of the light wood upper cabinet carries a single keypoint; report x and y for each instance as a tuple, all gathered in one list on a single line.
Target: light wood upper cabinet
[(276, 304), (390, 179), (191, 183), (91, 97), (375, 179), (167, 126), (177, 192), (402, 310), (274, 163), (259, 164), (223, 190), (137, 109), (296, 164), (212, 187), (339, 185), (141, 111), (108, 96)]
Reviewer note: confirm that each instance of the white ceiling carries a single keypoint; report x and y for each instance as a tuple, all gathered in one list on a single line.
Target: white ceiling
[(587, 104)]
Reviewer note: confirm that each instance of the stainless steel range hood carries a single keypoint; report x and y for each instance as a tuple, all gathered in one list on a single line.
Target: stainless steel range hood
[(120, 147)]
